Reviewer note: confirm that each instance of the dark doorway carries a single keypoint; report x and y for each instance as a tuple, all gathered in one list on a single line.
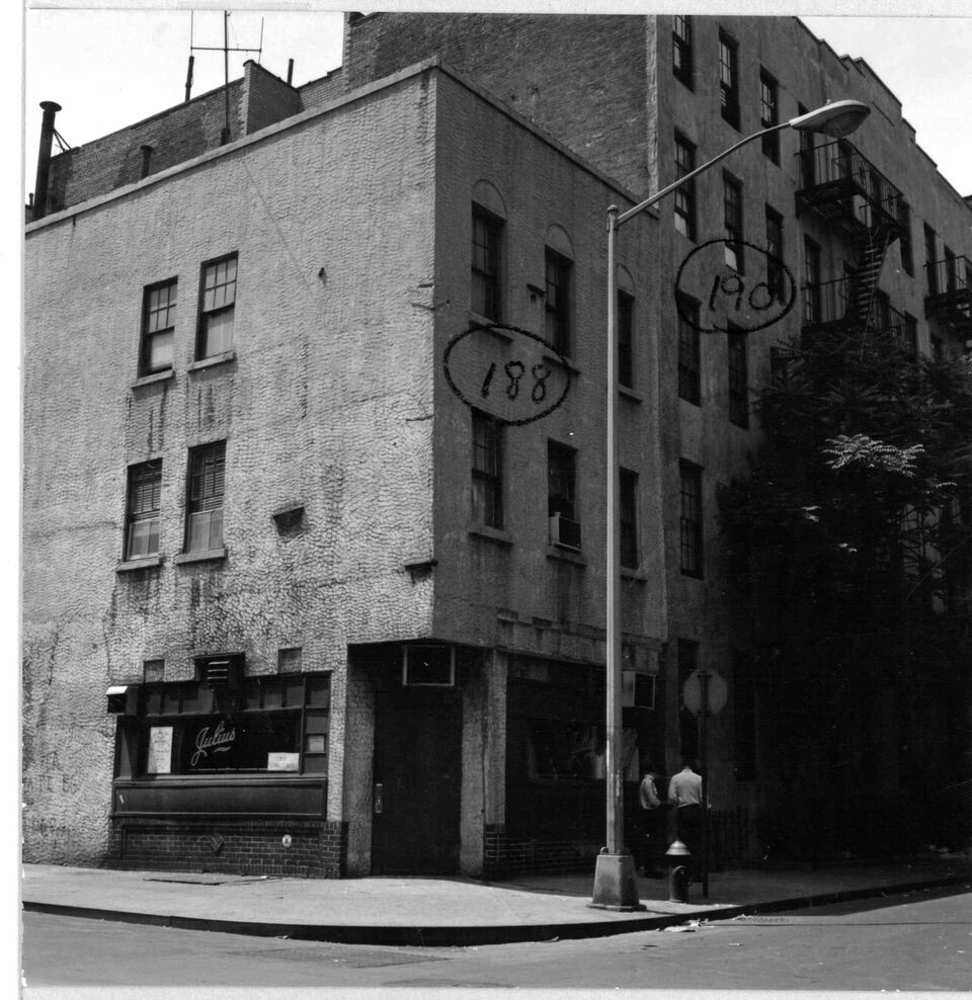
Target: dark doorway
[(418, 766)]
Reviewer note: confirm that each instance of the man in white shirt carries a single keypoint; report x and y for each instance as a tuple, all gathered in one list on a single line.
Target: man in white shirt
[(685, 793)]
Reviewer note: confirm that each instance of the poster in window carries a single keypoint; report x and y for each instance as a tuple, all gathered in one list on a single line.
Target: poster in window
[(159, 750)]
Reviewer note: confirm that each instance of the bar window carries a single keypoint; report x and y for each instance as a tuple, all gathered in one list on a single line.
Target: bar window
[(690, 521), (561, 495), (487, 470), (206, 487), (628, 518), (738, 377), (682, 56), (487, 232), (217, 307), (733, 221), (729, 79), (142, 516), (811, 282), (775, 275), (158, 328), (769, 115), (557, 300), (689, 351), (625, 339), (684, 198)]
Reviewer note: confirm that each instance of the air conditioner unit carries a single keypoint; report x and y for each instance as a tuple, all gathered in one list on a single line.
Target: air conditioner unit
[(565, 532), (637, 689), (123, 699), (222, 672)]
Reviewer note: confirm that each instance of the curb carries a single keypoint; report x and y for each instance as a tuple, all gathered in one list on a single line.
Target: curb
[(446, 936)]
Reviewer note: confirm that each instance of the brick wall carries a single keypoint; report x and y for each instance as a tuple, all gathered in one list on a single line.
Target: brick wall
[(239, 847), (505, 856), (266, 98)]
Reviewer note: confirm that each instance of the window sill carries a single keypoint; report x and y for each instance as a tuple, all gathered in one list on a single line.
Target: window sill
[(206, 555), (490, 325), (211, 362), (491, 534), (563, 360), (130, 565), (565, 554), (634, 574), (629, 393), (155, 377)]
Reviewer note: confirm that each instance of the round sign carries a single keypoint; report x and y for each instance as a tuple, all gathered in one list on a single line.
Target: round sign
[(715, 689)]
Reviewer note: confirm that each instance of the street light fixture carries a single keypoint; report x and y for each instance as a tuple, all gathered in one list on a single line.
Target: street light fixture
[(615, 886)]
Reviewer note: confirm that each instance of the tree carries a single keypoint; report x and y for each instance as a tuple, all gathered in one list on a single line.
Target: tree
[(849, 548)]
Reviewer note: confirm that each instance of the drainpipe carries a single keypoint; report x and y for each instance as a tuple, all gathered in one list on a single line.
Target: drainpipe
[(44, 158)]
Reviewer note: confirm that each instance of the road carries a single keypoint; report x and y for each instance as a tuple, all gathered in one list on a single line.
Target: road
[(917, 941)]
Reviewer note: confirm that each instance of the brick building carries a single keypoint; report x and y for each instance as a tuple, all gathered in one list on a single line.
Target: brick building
[(305, 494)]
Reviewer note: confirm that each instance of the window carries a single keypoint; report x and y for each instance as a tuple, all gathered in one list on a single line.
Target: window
[(775, 275), (487, 470), (811, 282), (561, 497), (950, 271), (808, 166), (271, 723), (485, 287), (628, 518), (729, 79), (682, 61), (931, 257), (557, 303), (911, 334), (142, 516), (907, 252), (769, 114), (207, 477), (684, 199), (691, 519), (689, 351), (738, 377), (158, 328), (625, 336), (217, 307), (733, 217)]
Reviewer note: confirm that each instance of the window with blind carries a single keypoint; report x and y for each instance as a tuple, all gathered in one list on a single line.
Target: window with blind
[(217, 307), (142, 514), (206, 488), (158, 328)]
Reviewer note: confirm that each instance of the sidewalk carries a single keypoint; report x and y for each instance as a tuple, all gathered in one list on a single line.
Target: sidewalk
[(448, 911)]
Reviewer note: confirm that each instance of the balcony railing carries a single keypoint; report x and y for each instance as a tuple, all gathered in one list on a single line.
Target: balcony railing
[(833, 303), (949, 296), (841, 184)]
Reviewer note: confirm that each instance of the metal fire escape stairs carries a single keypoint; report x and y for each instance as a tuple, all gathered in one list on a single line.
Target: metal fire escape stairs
[(871, 247)]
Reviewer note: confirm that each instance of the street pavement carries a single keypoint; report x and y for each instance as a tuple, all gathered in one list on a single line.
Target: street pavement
[(450, 910)]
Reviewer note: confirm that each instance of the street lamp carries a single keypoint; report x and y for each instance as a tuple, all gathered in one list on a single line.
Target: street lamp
[(615, 886)]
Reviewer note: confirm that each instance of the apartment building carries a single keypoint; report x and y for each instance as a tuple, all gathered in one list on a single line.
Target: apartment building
[(314, 463)]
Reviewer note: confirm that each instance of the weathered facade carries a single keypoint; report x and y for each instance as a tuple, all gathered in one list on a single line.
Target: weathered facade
[(336, 554)]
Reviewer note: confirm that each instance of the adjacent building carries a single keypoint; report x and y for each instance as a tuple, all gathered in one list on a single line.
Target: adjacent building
[(314, 456)]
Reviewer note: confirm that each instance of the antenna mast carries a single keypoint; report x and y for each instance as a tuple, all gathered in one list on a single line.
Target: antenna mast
[(226, 49)]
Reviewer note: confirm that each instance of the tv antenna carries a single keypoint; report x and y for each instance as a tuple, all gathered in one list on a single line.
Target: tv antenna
[(226, 49)]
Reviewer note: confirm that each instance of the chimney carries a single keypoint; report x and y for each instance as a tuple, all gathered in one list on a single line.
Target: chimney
[(290, 72), (44, 158)]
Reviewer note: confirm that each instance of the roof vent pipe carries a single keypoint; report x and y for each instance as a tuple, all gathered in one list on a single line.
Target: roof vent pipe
[(290, 72), (44, 158)]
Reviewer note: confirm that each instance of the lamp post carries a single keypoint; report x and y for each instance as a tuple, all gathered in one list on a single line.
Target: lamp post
[(615, 886)]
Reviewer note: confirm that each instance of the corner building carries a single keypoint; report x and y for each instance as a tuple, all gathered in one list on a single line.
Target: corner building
[(342, 579), (346, 622)]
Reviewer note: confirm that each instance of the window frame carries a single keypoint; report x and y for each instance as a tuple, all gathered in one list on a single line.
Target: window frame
[(685, 204), (214, 454), (557, 305), (689, 352), (562, 471), (149, 336), (905, 244), (149, 472), (205, 324), (812, 270), (729, 102), (683, 56), (628, 518), (733, 221), (931, 259), (691, 507), (737, 356), (488, 302), (626, 326), (769, 113), (775, 274), (487, 475)]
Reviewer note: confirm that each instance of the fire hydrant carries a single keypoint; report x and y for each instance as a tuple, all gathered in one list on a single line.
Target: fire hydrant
[(678, 872)]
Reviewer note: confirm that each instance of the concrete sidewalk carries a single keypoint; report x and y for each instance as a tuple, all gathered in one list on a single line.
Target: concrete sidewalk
[(449, 911)]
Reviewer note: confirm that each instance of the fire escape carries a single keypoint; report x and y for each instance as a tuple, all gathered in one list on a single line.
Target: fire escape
[(949, 298), (861, 205)]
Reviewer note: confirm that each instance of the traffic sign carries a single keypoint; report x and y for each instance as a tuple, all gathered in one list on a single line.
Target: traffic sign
[(716, 691)]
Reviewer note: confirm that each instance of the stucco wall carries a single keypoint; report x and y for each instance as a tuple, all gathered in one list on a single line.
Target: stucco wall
[(328, 404)]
